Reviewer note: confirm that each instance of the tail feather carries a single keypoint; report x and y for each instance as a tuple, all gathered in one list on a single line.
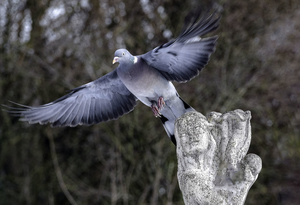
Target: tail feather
[(171, 112), (169, 126)]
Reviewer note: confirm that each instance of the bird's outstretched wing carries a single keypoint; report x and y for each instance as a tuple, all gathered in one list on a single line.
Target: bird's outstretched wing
[(104, 99), (183, 58)]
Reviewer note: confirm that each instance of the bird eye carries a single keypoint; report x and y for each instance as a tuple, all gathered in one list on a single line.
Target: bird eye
[(123, 54)]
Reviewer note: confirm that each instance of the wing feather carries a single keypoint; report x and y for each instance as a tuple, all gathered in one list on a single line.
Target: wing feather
[(104, 99), (182, 59)]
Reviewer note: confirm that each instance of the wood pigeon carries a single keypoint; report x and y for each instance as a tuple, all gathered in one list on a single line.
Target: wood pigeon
[(147, 78)]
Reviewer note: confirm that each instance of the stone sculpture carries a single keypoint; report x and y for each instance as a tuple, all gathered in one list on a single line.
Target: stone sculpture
[(213, 164)]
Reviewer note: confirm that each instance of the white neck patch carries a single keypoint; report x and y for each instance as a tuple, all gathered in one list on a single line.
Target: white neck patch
[(135, 59)]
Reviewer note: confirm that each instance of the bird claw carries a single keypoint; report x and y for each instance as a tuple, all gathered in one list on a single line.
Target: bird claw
[(156, 107), (161, 103), (155, 110)]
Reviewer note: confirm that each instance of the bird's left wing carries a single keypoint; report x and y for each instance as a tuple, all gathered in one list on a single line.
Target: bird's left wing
[(104, 99), (181, 59)]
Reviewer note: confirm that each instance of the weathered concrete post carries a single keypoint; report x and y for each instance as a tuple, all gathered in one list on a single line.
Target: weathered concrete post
[(213, 164)]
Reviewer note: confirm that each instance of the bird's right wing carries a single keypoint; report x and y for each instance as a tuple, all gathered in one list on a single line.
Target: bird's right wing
[(104, 99)]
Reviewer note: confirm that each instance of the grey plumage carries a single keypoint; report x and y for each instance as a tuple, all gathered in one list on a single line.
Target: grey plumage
[(101, 100), (145, 77)]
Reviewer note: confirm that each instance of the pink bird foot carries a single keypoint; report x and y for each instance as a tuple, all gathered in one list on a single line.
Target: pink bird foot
[(161, 103), (155, 110), (156, 107)]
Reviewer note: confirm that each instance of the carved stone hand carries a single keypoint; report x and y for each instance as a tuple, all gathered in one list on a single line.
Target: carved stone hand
[(213, 167)]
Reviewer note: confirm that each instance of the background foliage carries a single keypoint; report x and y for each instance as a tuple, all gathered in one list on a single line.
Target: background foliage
[(50, 46)]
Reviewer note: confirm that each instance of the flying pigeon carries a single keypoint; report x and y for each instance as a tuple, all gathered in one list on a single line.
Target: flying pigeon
[(147, 78)]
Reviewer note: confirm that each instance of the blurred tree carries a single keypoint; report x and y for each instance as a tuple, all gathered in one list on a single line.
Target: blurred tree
[(50, 46)]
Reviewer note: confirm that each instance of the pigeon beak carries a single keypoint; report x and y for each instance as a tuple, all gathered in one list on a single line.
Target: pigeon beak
[(116, 59)]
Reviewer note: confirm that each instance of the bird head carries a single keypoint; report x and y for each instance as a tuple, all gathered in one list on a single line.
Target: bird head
[(123, 55)]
